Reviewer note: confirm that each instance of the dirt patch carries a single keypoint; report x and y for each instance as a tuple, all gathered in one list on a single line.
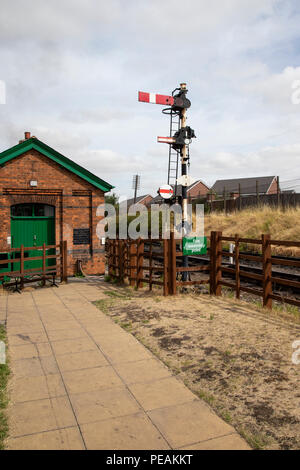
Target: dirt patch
[(236, 358)]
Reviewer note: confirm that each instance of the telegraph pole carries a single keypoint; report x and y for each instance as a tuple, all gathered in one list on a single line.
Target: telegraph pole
[(135, 185)]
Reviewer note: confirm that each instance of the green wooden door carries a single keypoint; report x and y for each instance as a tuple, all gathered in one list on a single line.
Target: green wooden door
[(32, 230)]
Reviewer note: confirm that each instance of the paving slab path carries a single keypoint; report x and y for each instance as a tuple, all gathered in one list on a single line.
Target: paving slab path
[(79, 381)]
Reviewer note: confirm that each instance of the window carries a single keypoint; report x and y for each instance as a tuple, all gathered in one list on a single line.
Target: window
[(32, 210)]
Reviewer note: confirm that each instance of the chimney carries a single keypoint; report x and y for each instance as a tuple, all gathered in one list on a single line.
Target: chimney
[(27, 135)]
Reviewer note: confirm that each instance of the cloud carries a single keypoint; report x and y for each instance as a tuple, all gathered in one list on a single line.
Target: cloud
[(72, 71)]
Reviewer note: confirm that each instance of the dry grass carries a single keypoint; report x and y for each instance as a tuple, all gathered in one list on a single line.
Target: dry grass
[(251, 223)]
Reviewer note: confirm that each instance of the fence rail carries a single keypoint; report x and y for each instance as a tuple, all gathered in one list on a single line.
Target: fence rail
[(230, 204), (158, 262), (23, 275)]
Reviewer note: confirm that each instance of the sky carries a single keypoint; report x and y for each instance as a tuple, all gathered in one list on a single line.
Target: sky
[(73, 68)]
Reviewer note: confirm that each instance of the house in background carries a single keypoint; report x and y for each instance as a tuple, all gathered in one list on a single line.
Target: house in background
[(145, 200), (197, 190), (245, 186)]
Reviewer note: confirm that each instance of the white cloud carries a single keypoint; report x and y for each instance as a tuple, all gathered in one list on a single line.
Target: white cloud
[(73, 69)]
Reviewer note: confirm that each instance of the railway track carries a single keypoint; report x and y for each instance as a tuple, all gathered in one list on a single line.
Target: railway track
[(286, 273)]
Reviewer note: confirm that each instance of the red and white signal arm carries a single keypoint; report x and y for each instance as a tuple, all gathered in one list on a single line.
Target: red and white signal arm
[(166, 191), (156, 98)]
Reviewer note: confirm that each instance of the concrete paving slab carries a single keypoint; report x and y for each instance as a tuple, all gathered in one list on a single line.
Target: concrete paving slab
[(189, 423), (31, 367), (81, 360), (60, 335), (69, 346), (230, 442), (40, 415), (142, 371), (25, 330), (89, 380), (37, 388), (62, 325), (61, 439), (49, 365), (19, 339), (23, 352), (161, 393), (103, 404), (44, 349), (132, 432)]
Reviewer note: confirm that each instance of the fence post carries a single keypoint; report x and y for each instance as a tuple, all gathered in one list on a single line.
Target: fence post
[(61, 249), (151, 264), (121, 261), (215, 263), (109, 253), (22, 267), (166, 267), (212, 271), (44, 264), (237, 267), (267, 271), (140, 261), (133, 262), (218, 263), (172, 265), (64, 261)]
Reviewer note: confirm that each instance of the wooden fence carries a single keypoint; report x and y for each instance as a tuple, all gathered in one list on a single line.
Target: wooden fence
[(283, 201), (159, 262), (22, 276)]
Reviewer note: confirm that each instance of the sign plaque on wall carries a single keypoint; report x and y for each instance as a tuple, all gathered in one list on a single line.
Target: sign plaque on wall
[(81, 236)]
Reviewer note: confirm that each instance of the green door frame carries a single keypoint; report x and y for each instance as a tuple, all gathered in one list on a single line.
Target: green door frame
[(45, 233)]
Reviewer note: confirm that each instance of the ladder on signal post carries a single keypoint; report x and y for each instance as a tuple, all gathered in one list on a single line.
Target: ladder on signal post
[(173, 154)]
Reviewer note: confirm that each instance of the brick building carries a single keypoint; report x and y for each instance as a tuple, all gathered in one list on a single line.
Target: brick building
[(246, 186), (46, 197), (145, 200)]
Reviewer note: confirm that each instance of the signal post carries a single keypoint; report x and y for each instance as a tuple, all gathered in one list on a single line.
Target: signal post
[(179, 142)]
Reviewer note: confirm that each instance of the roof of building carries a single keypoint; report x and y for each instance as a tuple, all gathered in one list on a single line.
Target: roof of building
[(247, 185), (36, 144), (138, 200)]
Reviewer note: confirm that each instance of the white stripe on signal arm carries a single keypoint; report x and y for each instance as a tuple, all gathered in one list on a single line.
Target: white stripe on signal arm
[(152, 98), (166, 140)]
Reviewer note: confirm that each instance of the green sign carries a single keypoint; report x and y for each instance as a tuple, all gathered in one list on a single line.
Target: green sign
[(194, 246)]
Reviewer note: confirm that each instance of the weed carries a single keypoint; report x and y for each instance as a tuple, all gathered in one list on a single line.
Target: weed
[(257, 441), (205, 396)]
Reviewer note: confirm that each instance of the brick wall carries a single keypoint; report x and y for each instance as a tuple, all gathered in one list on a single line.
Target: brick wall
[(273, 187), (198, 190), (75, 202)]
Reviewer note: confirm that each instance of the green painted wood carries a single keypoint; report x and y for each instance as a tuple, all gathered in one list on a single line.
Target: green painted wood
[(32, 231)]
